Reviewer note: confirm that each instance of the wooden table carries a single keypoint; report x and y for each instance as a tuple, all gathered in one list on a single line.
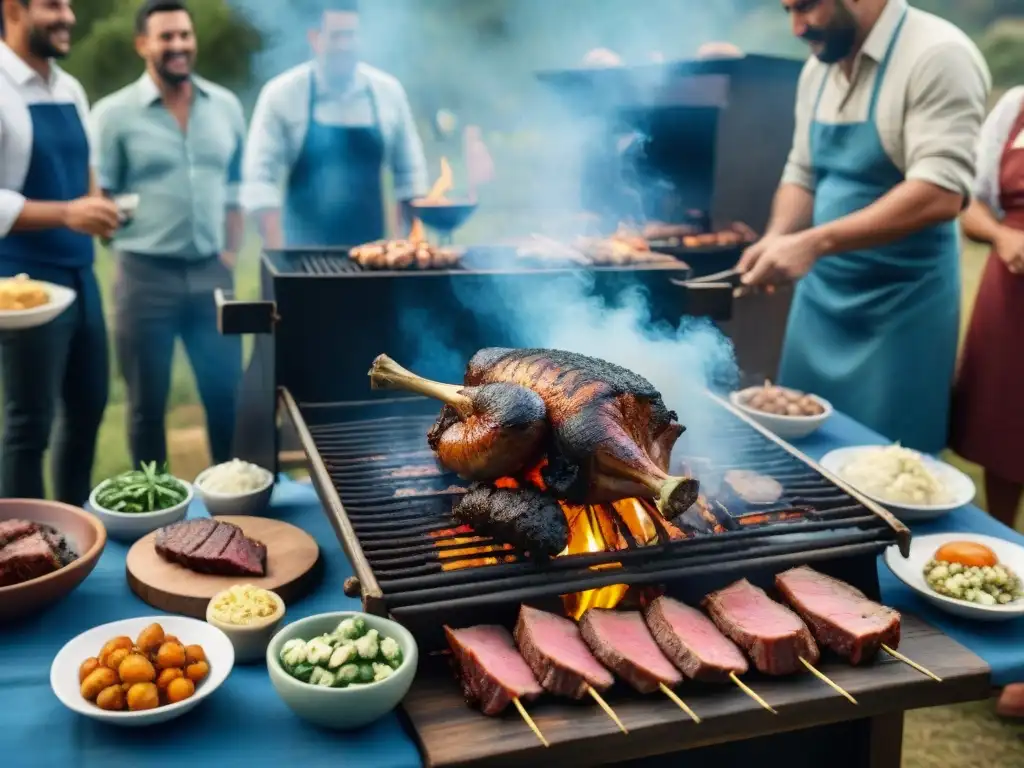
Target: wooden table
[(814, 726)]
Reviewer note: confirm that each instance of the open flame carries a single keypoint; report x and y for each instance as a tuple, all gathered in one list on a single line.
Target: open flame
[(436, 196)]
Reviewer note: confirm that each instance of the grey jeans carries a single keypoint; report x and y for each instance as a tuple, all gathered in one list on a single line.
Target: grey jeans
[(157, 301)]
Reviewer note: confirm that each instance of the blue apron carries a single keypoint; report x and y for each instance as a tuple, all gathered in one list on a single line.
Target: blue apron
[(875, 331), (335, 196), (58, 171)]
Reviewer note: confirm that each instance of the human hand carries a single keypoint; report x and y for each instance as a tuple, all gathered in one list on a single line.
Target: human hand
[(93, 215), (778, 259), (1009, 246)]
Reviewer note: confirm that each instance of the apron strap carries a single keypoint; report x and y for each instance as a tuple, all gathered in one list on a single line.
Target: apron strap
[(884, 66)]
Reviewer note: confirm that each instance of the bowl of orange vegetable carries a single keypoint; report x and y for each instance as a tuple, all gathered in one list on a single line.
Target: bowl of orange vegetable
[(965, 574), (139, 672)]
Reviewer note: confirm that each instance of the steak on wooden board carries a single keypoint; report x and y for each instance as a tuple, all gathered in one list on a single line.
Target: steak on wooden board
[(560, 660), (491, 671), (841, 617), (692, 642), (212, 546), (774, 637), (621, 641)]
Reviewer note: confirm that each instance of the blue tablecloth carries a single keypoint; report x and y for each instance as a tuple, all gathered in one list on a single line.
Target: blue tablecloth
[(245, 723)]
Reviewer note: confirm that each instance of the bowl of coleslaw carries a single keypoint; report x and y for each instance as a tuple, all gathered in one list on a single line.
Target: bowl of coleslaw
[(235, 487), (914, 486)]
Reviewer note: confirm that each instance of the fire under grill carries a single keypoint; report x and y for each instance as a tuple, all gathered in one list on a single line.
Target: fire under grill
[(390, 504)]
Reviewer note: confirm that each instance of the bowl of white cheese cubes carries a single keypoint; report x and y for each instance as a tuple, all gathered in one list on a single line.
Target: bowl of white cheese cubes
[(235, 487), (342, 670)]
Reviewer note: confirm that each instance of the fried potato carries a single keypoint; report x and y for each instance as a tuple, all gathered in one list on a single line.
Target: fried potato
[(21, 292)]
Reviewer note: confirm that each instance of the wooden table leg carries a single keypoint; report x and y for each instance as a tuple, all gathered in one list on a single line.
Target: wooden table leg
[(886, 741)]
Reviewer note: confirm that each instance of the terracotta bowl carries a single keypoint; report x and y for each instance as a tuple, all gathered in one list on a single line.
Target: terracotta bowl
[(84, 533)]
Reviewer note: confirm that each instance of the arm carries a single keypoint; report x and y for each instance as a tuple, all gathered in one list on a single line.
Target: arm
[(106, 153), (265, 163), (234, 221), (995, 133), (408, 161), (793, 207), (980, 223)]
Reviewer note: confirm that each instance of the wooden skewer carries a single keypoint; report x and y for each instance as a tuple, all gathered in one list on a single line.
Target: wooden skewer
[(750, 693), (679, 702), (529, 721), (608, 710), (911, 663), (826, 680)]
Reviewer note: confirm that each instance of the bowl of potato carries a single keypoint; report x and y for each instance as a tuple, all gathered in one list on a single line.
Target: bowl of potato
[(139, 672), (788, 413)]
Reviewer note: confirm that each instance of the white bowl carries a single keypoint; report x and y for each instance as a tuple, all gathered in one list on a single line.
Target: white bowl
[(786, 427), (64, 670), (910, 571), (20, 319), (342, 708), (129, 526), (250, 640), (247, 503), (960, 486)]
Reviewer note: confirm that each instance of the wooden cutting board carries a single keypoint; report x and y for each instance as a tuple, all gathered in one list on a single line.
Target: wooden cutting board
[(293, 559)]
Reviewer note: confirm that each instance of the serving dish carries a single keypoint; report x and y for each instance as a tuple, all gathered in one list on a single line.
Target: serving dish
[(922, 548), (786, 427), (61, 298), (253, 502), (342, 708), (83, 531), (64, 670), (250, 640), (960, 486), (129, 526)]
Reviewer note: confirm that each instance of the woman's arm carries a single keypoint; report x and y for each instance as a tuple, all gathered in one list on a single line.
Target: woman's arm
[(980, 223)]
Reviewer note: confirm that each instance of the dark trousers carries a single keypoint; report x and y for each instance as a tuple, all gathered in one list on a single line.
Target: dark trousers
[(58, 372), (159, 299)]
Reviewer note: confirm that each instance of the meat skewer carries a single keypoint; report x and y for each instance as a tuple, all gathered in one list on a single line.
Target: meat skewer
[(621, 641), (492, 672), (560, 660), (694, 644), (524, 517)]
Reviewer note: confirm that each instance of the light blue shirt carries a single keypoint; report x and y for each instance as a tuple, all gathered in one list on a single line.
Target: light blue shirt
[(186, 180), (281, 119)]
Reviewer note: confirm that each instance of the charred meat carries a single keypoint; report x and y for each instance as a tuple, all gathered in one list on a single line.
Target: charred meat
[(841, 617), (692, 642), (621, 641), (560, 660), (484, 432), (774, 637), (490, 668), (29, 550), (523, 517)]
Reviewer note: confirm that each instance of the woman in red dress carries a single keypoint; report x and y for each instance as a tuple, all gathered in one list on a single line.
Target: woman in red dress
[(988, 406)]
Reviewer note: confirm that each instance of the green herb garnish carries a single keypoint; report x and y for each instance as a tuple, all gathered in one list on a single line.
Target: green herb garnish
[(142, 490)]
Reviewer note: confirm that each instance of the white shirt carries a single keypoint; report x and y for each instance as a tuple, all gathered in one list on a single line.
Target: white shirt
[(930, 105), (281, 119), (995, 134), (20, 87)]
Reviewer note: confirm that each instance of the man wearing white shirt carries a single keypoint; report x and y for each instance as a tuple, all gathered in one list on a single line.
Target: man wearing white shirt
[(50, 211), (325, 130)]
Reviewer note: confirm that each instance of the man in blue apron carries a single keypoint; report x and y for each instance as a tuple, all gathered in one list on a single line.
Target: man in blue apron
[(887, 116), (327, 129), (49, 213)]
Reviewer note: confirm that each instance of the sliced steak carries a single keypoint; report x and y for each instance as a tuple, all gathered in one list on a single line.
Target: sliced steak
[(175, 542), (11, 530), (556, 653), (245, 556), (490, 668), (692, 642), (212, 546), (841, 617), (621, 641), (774, 637), (27, 558), (752, 487)]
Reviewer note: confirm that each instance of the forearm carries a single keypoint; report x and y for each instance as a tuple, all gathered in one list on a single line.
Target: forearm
[(980, 224), (37, 215), (908, 208), (792, 210), (269, 224), (234, 230)]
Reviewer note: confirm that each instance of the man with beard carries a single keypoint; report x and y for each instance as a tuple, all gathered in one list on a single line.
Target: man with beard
[(327, 128), (888, 112), (175, 140), (49, 213)]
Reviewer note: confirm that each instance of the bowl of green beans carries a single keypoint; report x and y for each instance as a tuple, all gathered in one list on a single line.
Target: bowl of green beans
[(133, 503)]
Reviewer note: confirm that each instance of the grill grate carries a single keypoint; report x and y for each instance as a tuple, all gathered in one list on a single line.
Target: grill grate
[(398, 500)]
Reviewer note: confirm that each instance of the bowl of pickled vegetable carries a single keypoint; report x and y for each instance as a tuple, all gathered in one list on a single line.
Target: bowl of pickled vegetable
[(132, 504), (342, 670)]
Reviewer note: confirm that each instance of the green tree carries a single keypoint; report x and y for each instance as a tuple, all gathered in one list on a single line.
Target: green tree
[(1003, 46)]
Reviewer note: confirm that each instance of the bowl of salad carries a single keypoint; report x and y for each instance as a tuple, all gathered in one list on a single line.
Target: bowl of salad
[(132, 504), (342, 670), (235, 487)]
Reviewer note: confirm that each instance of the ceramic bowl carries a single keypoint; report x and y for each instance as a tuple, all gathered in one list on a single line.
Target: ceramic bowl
[(64, 671), (247, 503), (83, 531), (61, 298), (250, 640), (786, 427), (129, 526), (342, 708)]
